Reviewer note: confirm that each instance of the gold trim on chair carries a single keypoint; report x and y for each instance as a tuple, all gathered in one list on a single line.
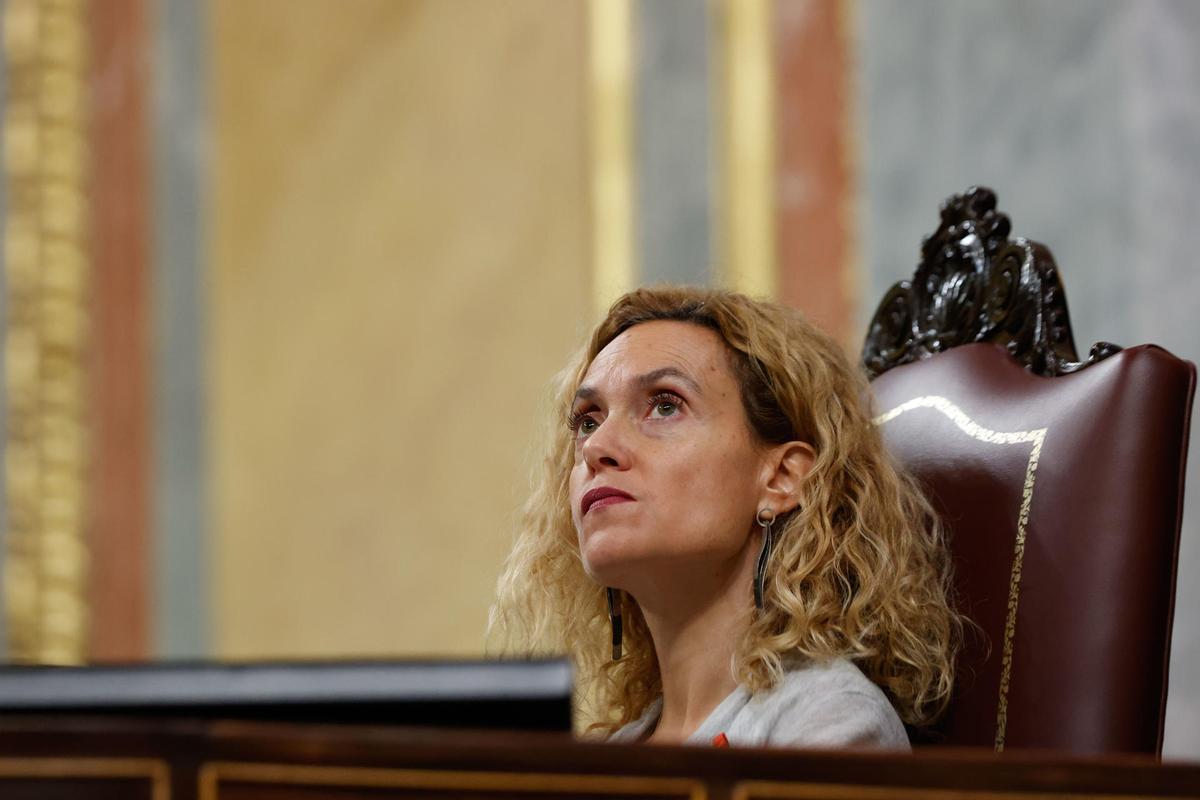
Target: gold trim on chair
[(974, 430), (449, 780), (46, 266)]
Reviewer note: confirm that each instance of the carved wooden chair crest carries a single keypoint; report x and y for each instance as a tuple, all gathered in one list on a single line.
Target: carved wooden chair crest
[(1060, 481)]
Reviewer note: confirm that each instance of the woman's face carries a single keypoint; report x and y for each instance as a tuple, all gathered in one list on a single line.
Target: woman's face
[(667, 474)]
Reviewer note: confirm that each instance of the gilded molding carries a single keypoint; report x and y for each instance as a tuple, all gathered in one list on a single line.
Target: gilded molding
[(46, 266), (772, 790), (1035, 438), (156, 772), (748, 128), (525, 784), (610, 34)]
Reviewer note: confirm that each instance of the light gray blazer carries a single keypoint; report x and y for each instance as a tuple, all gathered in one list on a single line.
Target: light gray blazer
[(829, 704)]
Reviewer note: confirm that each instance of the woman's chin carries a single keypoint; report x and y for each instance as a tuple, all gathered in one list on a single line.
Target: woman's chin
[(608, 562)]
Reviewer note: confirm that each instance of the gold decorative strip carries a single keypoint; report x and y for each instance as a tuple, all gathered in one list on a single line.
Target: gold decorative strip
[(610, 24), (212, 774), (817, 791), (1036, 438), (153, 770), (46, 268), (748, 128)]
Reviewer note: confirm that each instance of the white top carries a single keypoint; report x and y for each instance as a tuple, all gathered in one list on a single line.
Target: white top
[(829, 704)]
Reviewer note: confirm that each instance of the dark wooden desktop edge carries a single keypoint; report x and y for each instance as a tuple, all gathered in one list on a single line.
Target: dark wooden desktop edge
[(185, 746)]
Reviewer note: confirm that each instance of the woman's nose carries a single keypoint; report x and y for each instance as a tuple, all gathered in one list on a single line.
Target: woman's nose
[(608, 446)]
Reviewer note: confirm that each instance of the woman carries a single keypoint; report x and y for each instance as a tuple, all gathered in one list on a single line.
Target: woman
[(720, 500)]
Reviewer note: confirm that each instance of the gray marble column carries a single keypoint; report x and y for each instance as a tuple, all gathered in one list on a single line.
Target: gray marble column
[(181, 577), (673, 141)]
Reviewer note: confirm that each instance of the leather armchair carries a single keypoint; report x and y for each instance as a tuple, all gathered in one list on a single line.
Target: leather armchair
[(1060, 481)]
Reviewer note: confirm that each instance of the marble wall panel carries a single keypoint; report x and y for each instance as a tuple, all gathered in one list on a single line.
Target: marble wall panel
[(398, 266), (181, 152), (673, 141), (3, 392)]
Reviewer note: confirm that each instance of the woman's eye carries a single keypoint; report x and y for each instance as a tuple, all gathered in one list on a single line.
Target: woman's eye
[(582, 423), (664, 406)]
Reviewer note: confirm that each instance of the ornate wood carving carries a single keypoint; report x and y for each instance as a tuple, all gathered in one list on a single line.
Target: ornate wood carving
[(975, 284)]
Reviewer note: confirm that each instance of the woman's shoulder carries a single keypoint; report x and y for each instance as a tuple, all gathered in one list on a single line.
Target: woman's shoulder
[(826, 704), (801, 677)]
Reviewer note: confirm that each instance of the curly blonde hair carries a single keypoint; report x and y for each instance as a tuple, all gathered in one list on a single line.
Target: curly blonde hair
[(859, 570)]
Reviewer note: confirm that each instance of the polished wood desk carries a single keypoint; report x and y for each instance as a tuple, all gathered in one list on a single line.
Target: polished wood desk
[(83, 759)]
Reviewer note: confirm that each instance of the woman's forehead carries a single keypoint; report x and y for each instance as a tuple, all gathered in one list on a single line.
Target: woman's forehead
[(693, 349)]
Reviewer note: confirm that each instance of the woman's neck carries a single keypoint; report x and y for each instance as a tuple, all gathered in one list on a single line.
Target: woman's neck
[(695, 633)]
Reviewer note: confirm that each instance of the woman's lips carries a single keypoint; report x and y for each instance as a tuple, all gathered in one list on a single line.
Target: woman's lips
[(603, 496), (611, 500)]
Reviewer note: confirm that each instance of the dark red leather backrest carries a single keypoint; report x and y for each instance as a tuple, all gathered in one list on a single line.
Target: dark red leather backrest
[(1063, 496)]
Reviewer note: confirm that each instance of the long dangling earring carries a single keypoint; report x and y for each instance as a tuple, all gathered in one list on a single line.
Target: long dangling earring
[(614, 616), (765, 518)]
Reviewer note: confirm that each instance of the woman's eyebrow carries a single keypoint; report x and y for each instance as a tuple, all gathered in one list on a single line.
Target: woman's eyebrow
[(648, 379), (644, 381)]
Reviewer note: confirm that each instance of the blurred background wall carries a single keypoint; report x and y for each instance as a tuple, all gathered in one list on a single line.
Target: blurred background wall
[(286, 283), (399, 264)]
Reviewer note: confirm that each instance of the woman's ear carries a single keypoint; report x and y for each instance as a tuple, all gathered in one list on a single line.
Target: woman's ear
[(787, 466)]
